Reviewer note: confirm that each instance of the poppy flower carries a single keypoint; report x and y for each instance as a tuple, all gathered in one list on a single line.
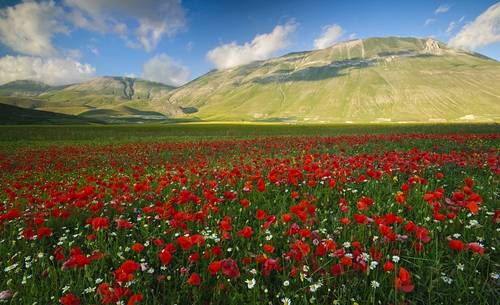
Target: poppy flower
[(456, 245), (184, 242), (214, 267), (246, 232), (136, 298), (388, 266), (194, 279), (475, 247), (268, 248), (137, 247), (403, 281), (69, 299), (165, 256), (100, 223), (230, 268)]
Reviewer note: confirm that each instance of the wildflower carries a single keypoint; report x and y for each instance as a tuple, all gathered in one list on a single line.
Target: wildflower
[(286, 283), (194, 279), (456, 245), (375, 284), (388, 266), (286, 301), (246, 232), (136, 298), (137, 247), (403, 281), (250, 283), (5, 295), (69, 299), (395, 258)]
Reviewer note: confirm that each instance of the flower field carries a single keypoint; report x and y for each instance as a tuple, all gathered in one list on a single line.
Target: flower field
[(372, 219)]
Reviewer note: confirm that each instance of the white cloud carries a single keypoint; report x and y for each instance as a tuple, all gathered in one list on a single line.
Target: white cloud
[(453, 25), (28, 27), (429, 21), (442, 9), (94, 50), (52, 71), (352, 36), (331, 33), (263, 46), (484, 30), (163, 69), (155, 18)]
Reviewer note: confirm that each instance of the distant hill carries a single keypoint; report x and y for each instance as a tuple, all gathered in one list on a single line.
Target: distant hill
[(365, 80), (24, 88), (101, 97), (12, 115)]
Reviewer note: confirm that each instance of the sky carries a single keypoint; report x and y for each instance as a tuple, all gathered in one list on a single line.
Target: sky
[(173, 42)]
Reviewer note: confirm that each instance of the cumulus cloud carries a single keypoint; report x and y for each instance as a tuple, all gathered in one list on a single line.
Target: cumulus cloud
[(263, 46), (331, 34), (429, 21), (155, 19), (163, 69), (442, 9), (484, 30), (52, 71), (28, 27)]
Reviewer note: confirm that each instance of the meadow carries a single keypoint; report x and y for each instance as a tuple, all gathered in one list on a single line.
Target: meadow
[(256, 214)]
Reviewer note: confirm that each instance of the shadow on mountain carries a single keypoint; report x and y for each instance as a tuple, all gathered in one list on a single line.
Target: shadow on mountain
[(189, 110), (312, 73), (396, 53), (276, 120)]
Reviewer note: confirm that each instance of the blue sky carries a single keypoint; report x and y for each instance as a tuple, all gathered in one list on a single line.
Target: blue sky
[(173, 42)]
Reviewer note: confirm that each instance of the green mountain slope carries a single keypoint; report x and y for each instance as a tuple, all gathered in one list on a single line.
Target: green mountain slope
[(370, 80)]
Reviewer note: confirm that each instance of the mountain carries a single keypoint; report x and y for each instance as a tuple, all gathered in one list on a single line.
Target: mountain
[(12, 115), (103, 97), (389, 79)]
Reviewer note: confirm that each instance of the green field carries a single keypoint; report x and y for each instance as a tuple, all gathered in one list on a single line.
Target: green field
[(108, 134)]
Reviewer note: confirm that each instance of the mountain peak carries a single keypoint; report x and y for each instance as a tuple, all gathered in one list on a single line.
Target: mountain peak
[(362, 80)]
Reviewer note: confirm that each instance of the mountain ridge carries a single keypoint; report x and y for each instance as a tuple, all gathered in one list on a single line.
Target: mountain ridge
[(379, 79), (354, 81)]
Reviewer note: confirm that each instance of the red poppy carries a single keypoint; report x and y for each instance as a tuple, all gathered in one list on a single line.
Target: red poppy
[(184, 242), (388, 266), (69, 299), (268, 248), (137, 247), (214, 267), (100, 223), (194, 279), (456, 245), (136, 298), (403, 282), (165, 256), (246, 232)]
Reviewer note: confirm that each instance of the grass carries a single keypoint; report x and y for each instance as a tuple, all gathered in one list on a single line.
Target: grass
[(108, 134)]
